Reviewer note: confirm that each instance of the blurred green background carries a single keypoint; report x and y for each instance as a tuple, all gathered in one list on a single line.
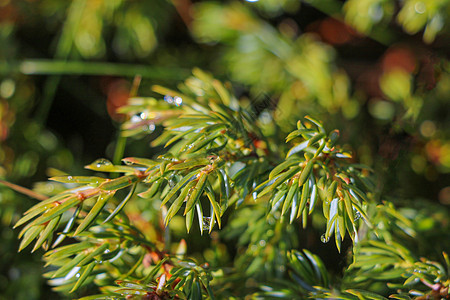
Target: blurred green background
[(375, 69)]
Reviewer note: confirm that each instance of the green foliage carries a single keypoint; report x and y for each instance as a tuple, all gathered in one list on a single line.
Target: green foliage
[(229, 190), (216, 162), (303, 65)]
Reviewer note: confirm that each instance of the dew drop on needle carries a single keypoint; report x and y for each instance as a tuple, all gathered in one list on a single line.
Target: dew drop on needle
[(324, 239)]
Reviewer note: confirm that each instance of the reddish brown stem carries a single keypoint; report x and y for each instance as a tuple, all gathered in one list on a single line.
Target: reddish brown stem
[(23, 190)]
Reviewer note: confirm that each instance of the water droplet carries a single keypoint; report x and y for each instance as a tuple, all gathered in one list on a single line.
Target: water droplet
[(73, 272), (128, 163), (77, 275), (144, 115), (206, 222), (172, 180), (149, 128), (187, 147), (69, 178), (168, 99), (324, 238), (171, 183), (254, 194), (106, 251), (102, 162), (135, 119), (262, 243), (178, 101)]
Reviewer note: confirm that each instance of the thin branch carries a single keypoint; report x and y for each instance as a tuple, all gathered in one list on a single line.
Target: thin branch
[(23, 190), (61, 67)]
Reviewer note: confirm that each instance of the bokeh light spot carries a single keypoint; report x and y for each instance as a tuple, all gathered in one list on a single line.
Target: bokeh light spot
[(427, 128), (382, 110), (444, 195), (7, 88)]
